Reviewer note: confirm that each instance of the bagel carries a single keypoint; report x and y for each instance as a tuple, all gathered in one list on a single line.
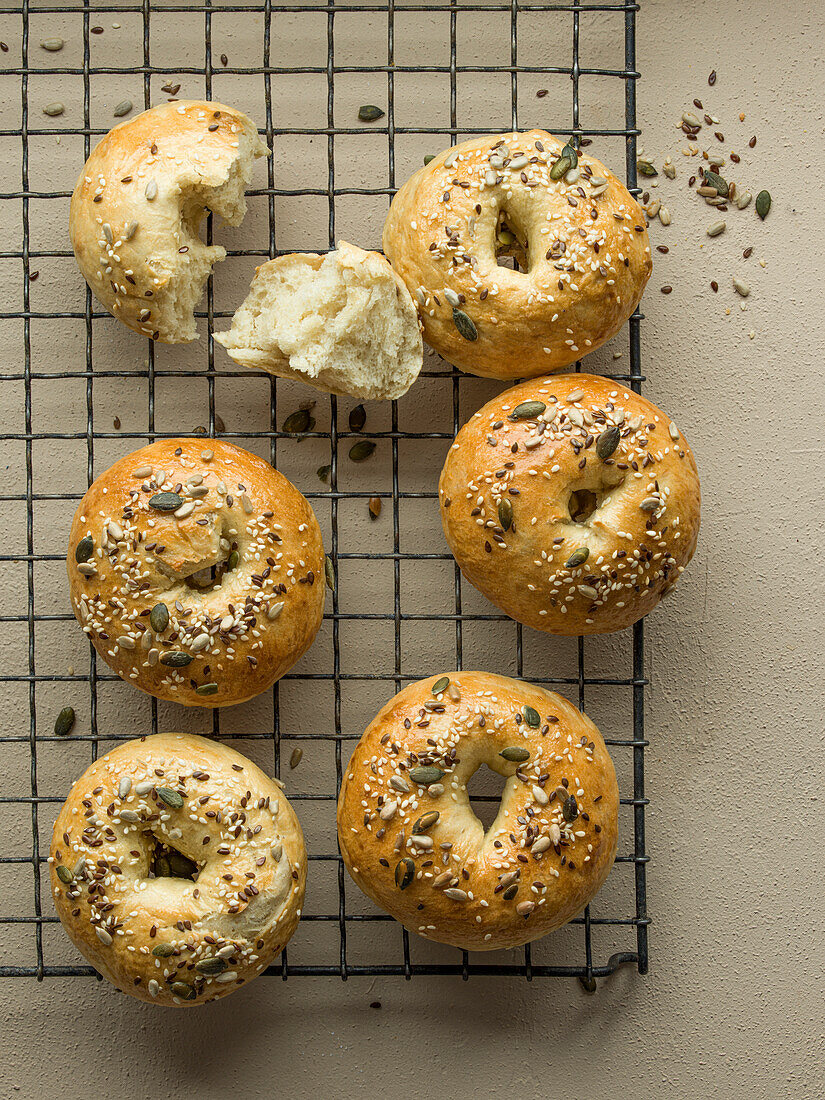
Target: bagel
[(138, 203), (197, 571), (409, 837), (572, 503), (178, 868), (581, 240), (344, 323)]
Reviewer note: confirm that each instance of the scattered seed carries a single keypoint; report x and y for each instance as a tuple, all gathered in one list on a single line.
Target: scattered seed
[(274, 610), (515, 753), (715, 229), (123, 108), (374, 506), (357, 418), (369, 113), (763, 204), (713, 180), (525, 908), (404, 872), (743, 199), (646, 168), (173, 799), (428, 158), (752, 142), (425, 776), (124, 786), (362, 450), (650, 504), (464, 324), (712, 78), (747, 253), (323, 472), (714, 286), (440, 685), (666, 289), (741, 288), (296, 757), (53, 110), (669, 171), (578, 557), (664, 215), (329, 573), (64, 722), (53, 45), (298, 421)]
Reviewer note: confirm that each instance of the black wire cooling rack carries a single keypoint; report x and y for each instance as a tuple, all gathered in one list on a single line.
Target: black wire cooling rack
[(26, 913)]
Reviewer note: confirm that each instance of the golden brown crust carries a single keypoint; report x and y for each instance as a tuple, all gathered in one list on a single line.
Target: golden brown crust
[(543, 858), (516, 475), (168, 940), (584, 246), (137, 204), (234, 627)]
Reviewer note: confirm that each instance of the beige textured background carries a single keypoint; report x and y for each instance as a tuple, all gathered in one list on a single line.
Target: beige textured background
[(733, 1004)]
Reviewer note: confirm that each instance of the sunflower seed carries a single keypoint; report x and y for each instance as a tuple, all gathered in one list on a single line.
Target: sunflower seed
[(525, 908), (528, 410), (84, 549), (404, 872), (53, 45), (578, 557), (153, 987), (124, 786), (144, 787), (673, 431), (541, 845), (763, 204), (274, 610), (608, 441), (531, 717), (129, 816), (123, 108), (454, 693), (464, 324), (103, 936), (664, 215), (442, 879), (399, 784), (159, 618), (128, 233), (176, 659), (165, 502), (743, 199), (296, 756), (369, 113), (125, 642), (440, 685), (451, 297), (540, 795), (276, 852), (227, 976), (669, 171), (64, 874), (54, 110), (424, 776), (555, 833), (184, 510), (174, 799), (515, 753), (357, 418), (388, 810), (715, 229), (87, 568), (650, 504), (505, 513), (151, 191), (64, 722), (455, 893), (362, 450)]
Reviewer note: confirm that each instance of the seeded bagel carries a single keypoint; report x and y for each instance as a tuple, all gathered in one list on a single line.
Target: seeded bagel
[(579, 236), (572, 503), (178, 868), (138, 203), (410, 839), (197, 571)]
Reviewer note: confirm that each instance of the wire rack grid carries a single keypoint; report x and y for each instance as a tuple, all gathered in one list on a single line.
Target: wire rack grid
[(32, 811)]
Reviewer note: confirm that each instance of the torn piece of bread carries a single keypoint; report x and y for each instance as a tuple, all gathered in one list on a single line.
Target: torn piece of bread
[(138, 204), (343, 322)]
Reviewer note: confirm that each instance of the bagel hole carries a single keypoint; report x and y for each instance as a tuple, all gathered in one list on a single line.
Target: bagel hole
[(168, 862), (583, 503), (484, 790), (510, 244), (213, 575)]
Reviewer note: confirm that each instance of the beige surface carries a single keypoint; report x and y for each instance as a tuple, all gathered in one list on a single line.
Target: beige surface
[(733, 1004)]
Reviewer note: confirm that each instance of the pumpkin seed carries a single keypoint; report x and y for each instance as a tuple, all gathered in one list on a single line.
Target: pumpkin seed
[(206, 689), (570, 809), (440, 685), (183, 990), (176, 659), (296, 757), (53, 45), (54, 110), (159, 618), (404, 872), (426, 775), (578, 557), (425, 822), (357, 418), (211, 966), (84, 549), (362, 450), (646, 168), (329, 573), (369, 113), (122, 108), (232, 560), (560, 167), (64, 721), (515, 753), (174, 799), (163, 950), (165, 502), (608, 441), (323, 473), (428, 158), (464, 324), (63, 873), (298, 421), (505, 513), (528, 410), (713, 180), (531, 717), (763, 204)]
